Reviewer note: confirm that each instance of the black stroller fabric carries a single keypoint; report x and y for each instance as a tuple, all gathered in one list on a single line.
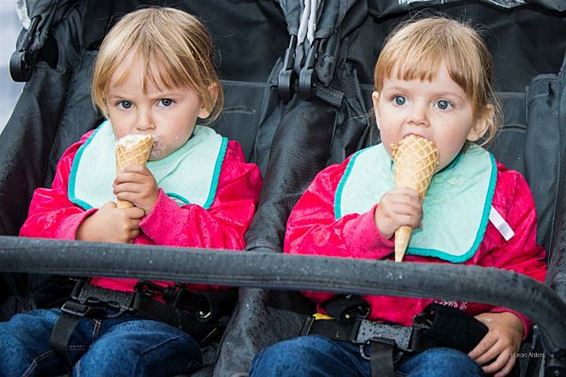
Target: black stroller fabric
[(291, 125)]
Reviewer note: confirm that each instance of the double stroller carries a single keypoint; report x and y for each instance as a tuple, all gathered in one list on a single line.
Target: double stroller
[(297, 77)]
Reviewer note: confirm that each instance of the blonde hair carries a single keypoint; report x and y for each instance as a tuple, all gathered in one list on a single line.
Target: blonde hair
[(415, 50), (176, 50)]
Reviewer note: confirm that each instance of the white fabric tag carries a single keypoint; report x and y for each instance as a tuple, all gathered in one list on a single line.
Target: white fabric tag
[(500, 224)]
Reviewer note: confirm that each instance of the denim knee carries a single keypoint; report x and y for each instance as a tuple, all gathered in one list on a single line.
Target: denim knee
[(24, 344), (139, 347), (281, 357), (441, 362), (309, 356)]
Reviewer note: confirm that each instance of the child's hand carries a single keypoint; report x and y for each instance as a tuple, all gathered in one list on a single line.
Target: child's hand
[(110, 224), (496, 351), (398, 207), (137, 185)]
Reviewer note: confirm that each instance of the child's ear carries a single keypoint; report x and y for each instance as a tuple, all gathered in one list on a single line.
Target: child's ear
[(213, 91), (482, 123), (375, 99)]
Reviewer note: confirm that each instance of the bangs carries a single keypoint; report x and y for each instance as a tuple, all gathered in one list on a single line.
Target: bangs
[(173, 48), (413, 66), (159, 72), (414, 55)]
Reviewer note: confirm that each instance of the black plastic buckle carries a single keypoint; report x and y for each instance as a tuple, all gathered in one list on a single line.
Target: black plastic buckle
[(307, 77), (81, 310), (23, 60), (287, 75), (77, 288), (555, 366), (344, 330), (75, 308), (195, 303), (149, 289), (87, 299), (359, 312), (357, 322)]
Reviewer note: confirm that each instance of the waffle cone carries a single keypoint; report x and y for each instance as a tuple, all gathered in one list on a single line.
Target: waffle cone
[(415, 160), (132, 153)]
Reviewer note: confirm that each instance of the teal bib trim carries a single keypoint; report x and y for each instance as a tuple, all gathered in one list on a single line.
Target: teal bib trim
[(188, 175), (456, 207), (74, 168), (342, 183)]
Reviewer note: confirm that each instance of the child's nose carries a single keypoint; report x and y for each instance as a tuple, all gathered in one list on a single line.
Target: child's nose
[(145, 121), (418, 116)]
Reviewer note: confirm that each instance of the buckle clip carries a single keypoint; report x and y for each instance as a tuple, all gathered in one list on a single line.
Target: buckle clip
[(307, 76), (385, 341), (148, 288), (287, 75), (87, 299), (23, 60), (80, 310), (359, 312)]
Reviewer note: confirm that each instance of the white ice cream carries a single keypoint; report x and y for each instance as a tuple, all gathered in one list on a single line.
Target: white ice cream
[(129, 141)]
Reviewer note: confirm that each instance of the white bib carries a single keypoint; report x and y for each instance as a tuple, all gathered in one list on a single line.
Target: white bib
[(188, 175), (456, 207)]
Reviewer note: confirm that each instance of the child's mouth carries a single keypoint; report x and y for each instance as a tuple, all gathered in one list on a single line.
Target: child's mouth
[(155, 151)]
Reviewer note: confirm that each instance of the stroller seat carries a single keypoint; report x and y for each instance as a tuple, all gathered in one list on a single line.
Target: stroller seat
[(297, 100)]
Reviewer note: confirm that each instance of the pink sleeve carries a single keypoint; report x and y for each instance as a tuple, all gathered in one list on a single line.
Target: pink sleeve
[(224, 224), (514, 201), (51, 214), (313, 229)]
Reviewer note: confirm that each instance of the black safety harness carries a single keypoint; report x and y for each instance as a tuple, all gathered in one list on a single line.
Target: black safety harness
[(384, 344), (203, 315)]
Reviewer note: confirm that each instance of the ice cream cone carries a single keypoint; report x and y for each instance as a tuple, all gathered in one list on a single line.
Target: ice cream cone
[(415, 160), (132, 150)]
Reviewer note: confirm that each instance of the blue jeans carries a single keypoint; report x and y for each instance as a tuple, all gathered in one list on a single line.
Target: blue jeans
[(125, 346), (318, 356)]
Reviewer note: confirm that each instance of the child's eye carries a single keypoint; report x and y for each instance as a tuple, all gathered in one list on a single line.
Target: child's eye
[(166, 102), (124, 104), (399, 100), (444, 104)]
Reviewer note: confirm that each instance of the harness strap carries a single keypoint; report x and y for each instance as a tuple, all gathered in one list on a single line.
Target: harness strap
[(436, 326), (360, 331), (197, 314), (188, 322), (381, 358), (84, 303), (61, 334)]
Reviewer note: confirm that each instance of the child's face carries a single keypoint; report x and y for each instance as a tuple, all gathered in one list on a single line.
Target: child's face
[(169, 115), (438, 110)]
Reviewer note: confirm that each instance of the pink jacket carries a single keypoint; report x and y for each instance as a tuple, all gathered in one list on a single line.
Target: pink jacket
[(222, 226), (313, 229)]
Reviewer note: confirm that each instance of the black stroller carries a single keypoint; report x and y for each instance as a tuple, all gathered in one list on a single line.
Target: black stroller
[(297, 99)]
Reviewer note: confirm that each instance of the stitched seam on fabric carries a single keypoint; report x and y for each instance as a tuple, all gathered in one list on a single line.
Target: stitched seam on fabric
[(35, 362), (77, 347), (96, 328)]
